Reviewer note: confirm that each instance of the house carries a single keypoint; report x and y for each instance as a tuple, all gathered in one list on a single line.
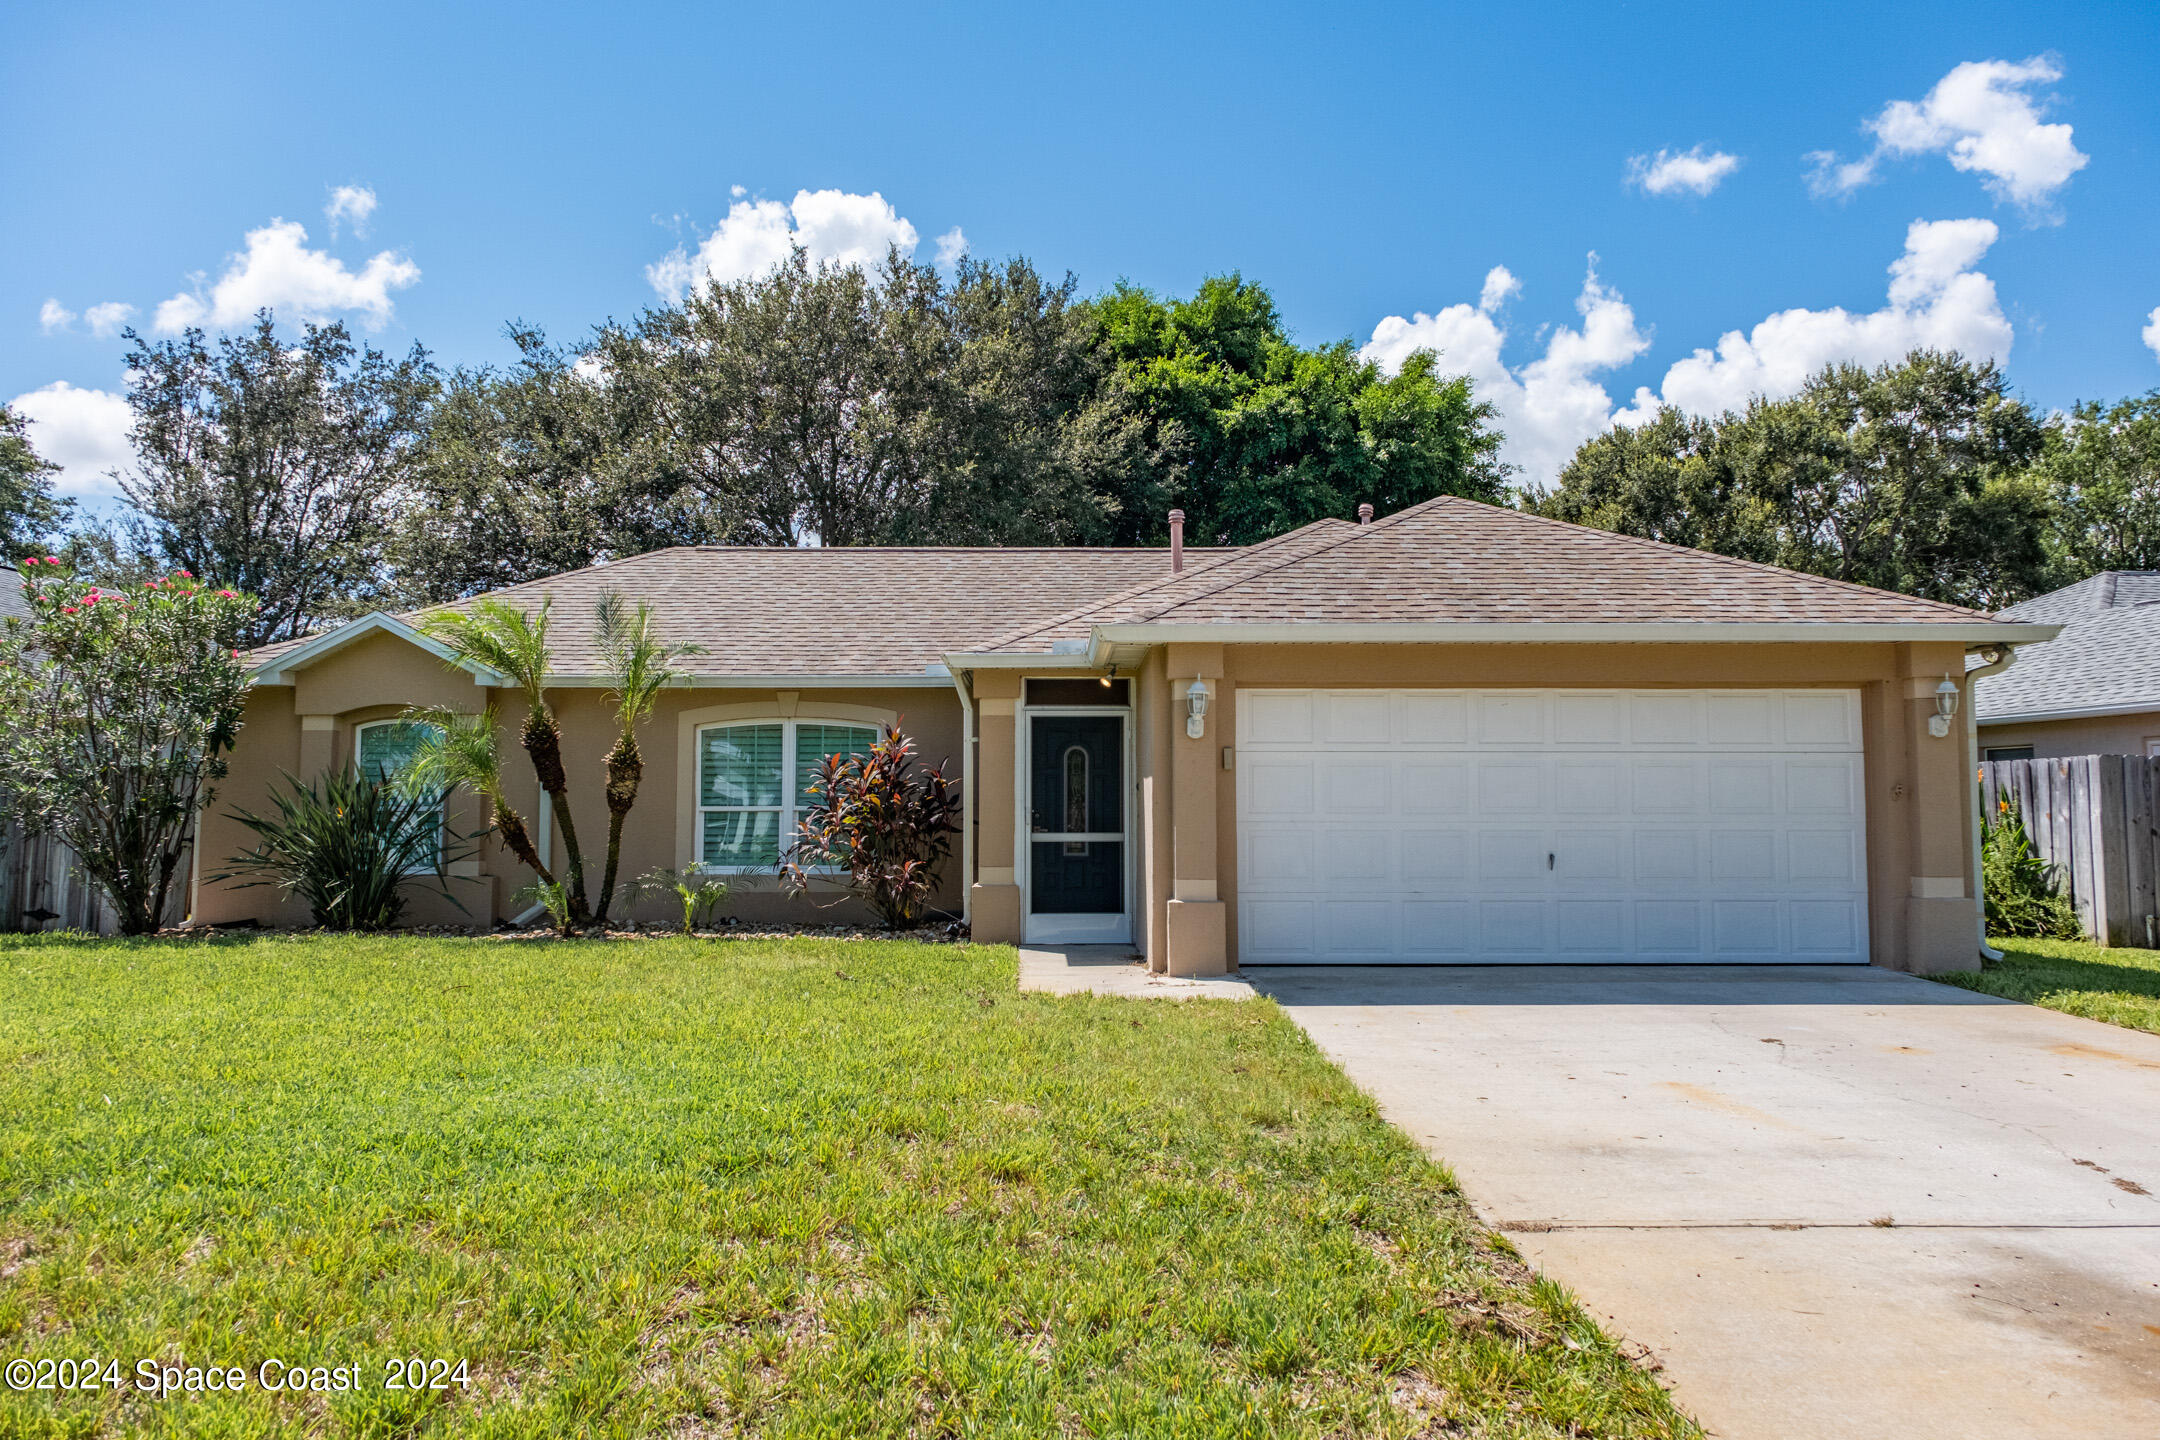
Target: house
[(2093, 690), (1459, 734)]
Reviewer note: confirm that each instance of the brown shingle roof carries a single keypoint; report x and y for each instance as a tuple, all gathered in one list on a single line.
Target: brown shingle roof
[(811, 612), (1459, 561)]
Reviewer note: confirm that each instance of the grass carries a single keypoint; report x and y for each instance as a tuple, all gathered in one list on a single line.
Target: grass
[(800, 1188), (2119, 986)]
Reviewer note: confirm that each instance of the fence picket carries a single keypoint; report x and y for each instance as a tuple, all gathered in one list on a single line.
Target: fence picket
[(2097, 820)]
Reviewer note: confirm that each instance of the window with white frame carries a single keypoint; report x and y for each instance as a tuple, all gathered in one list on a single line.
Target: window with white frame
[(754, 781), (385, 749)]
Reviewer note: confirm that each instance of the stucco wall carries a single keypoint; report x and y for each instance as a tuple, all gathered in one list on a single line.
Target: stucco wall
[(2095, 735), (1921, 908), (307, 727)]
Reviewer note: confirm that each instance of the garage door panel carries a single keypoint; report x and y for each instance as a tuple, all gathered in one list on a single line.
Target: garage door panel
[(1355, 787), (1551, 826), (1435, 857), (1435, 787), (1353, 718), (1438, 929), (1510, 787), (1358, 857)]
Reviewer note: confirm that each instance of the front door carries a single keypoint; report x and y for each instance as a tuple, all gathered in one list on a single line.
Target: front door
[(1076, 828)]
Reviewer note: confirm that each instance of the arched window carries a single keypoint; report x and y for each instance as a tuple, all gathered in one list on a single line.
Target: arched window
[(754, 781)]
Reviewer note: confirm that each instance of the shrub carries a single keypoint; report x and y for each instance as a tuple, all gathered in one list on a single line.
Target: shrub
[(2024, 895), (882, 819), (349, 845), (696, 896), (115, 719)]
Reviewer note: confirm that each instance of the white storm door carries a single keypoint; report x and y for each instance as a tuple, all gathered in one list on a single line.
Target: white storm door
[(1550, 826)]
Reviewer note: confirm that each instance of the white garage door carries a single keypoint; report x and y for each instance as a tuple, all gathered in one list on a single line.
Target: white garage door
[(1553, 826)]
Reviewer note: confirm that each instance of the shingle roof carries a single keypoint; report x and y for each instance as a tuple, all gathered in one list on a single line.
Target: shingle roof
[(1458, 561), (12, 604), (2107, 657), (811, 612)]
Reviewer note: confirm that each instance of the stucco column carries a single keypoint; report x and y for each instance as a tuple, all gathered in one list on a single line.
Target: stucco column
[(994, 896), (318, 738), (1941, 901), (1197, 932)]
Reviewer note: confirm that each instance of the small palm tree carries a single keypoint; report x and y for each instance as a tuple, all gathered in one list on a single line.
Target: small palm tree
[(461, 749), (641, 665), (514, 643)]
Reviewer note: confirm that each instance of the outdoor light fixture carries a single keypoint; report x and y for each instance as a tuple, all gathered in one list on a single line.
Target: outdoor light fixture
[(1109, 677), (1946, 703), (1196, 698)]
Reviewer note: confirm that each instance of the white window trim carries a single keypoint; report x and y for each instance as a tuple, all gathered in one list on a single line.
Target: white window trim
[(442, 819), (780, 706), (789, 809)]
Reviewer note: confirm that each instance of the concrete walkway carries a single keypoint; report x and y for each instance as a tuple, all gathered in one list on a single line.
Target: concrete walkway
[(1115, 970), (1836, 1202)]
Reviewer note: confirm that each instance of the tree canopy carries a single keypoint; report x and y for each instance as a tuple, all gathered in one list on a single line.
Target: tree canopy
[(30, 514), (1916, 476)]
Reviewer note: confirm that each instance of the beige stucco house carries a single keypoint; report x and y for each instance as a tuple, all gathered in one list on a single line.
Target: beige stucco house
[(2094, 689), (1461, 734)]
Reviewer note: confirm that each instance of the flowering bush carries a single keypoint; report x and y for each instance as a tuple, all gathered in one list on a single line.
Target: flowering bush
[(116, 714)]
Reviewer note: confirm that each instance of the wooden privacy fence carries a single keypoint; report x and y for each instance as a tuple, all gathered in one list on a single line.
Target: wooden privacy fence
[(2094, 817)]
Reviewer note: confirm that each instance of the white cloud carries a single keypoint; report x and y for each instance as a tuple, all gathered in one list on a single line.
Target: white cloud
[(830, 225), (351, 205), (52, 316), (950, 247), (277, 271), (1546, 407), (1675, 172), (2151, 333), (1983, 116), (1549, 406), (1937, 299), (84, 432), (107, 320)]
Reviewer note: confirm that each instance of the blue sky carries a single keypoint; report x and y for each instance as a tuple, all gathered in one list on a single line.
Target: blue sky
[(1371, 164)]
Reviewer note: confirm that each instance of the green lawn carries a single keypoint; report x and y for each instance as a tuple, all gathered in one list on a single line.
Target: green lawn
[(2118, 986), (739, 1187)]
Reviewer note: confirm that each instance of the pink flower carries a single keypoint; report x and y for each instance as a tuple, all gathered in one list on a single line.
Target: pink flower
[(67, 609), (52, 559), (30, 560), (236, 654), (228, 595), (188, 573)]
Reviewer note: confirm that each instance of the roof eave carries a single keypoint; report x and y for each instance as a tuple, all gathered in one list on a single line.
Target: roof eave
[(1535, 632), (2076, 712), (277, 671)]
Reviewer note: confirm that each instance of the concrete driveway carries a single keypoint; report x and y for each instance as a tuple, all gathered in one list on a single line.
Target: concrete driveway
[(1836, 1202)]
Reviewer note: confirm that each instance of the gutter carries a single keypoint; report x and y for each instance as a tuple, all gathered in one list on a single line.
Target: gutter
[(2004, 657)]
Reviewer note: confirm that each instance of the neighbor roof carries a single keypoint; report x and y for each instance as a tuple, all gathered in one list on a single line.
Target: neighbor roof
[(12, 604), (1458, 562), (769, 611), (2105, 662)]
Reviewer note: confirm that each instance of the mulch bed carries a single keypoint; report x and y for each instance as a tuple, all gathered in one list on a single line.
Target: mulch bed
[(942, 932)]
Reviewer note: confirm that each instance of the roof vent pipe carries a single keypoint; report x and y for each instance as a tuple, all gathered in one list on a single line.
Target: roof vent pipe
[(1177, 541), (1364, 514)]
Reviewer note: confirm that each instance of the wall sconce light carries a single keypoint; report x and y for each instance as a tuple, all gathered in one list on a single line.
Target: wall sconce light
[(1946, 703), (1106, 679), (1196, 701)]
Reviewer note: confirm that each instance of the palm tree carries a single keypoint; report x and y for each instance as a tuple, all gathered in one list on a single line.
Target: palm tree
[(640, 664), (513, 643), (462, 750)]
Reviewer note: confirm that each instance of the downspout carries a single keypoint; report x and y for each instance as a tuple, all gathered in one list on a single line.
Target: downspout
[(545, 811), (2003, 655), (963, 685)]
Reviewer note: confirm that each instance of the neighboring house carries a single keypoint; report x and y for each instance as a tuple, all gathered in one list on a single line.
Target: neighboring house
[(2093, 690), (1460, 734)]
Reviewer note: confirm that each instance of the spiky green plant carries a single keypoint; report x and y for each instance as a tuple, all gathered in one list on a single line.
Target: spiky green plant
[(2024, 892), (696, 895), (349, 845), (460, 748), (641, 665)]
